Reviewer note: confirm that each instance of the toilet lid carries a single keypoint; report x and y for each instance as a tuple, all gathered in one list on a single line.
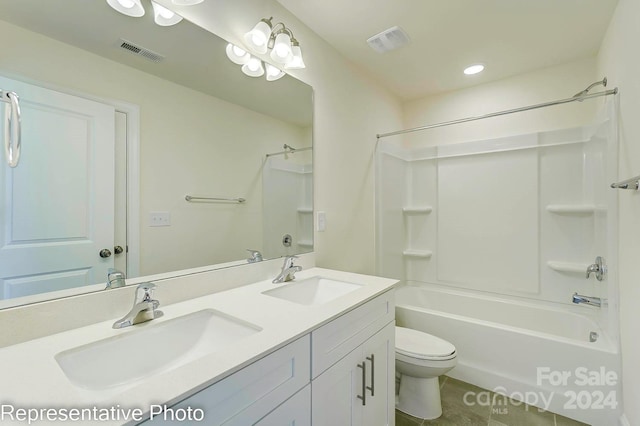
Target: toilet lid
[(421, 345)]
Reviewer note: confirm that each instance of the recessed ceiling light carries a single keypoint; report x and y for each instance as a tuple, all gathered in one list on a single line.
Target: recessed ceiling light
[(474, 69)]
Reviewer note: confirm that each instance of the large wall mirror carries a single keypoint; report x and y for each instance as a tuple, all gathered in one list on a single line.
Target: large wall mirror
[(115, 138)]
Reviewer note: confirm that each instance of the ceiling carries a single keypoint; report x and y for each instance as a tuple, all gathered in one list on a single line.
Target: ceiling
[(509, 37), (193, 57)]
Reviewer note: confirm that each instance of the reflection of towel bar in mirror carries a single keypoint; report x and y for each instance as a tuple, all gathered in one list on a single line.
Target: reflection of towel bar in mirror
[(632, 183), (214, 199)]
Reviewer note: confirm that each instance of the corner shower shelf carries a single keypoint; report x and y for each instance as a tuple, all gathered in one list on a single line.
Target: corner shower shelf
[(420, 254), (417, 210), (572, 208), (569, 267), (305, 210)]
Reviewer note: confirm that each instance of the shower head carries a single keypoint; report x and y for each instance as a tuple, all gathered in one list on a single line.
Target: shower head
[(585, 92)]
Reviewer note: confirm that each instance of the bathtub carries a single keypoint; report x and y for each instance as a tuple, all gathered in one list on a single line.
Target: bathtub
[(532, 352)]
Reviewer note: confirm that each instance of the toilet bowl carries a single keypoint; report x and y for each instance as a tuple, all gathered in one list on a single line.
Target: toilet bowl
[(420, 359)]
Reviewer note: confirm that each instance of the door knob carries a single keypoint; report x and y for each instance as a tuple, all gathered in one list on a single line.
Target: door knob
[(118, 249), (104, 253)]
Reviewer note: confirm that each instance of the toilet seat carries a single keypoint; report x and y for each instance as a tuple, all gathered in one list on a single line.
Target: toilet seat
[(419, 345)]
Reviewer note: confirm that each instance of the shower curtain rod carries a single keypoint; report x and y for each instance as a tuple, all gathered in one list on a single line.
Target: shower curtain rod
[(496, 114), (289, 151)]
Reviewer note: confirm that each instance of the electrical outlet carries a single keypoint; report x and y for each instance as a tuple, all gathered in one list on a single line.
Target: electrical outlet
[(159, 219)]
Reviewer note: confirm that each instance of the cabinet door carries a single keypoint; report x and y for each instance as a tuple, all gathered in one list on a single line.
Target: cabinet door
[(296, 411), (334, 394), (379, 354)]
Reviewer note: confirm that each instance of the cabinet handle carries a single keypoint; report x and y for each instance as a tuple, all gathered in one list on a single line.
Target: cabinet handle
[(373, 372), (364, 378)]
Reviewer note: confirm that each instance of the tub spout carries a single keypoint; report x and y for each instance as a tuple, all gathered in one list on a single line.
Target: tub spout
[(587, 300)]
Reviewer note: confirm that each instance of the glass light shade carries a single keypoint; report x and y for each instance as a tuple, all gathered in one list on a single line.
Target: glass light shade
[(253, 68), (237, 55), (163, 16), (296, 62), (128, 7), (186, 2), (273, 73), (258, 38), (281, 51)]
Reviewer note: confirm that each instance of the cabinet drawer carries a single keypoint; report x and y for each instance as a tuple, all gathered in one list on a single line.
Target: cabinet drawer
[(333, 341), (249, 394)]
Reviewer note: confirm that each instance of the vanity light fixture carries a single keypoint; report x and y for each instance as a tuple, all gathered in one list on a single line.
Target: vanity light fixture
[(251, 65), (163, 16), (285, 49), (237, 55), (273, 73), (474, 69), (131, 8)]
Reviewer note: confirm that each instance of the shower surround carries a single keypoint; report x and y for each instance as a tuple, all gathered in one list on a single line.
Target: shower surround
[(492, 238)]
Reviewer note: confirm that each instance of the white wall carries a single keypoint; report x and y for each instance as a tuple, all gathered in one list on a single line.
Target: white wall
[(349, 110), (544, 85), (192, 150), (619, 60)]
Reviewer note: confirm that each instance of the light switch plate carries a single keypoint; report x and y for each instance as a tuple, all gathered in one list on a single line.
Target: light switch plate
[(321, 221)]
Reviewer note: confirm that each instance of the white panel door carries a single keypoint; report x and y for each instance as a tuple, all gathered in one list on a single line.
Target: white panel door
[(57, 205)]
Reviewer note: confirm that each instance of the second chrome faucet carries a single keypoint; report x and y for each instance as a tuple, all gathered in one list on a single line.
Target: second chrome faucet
[(288, 270)]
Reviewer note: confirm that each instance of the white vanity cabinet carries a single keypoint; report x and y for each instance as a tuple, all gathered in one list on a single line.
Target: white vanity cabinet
[(353, 367), (248, 395), (342, 373)]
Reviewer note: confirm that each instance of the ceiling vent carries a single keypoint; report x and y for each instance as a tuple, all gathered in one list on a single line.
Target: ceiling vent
[(140, 51), (391, 39)]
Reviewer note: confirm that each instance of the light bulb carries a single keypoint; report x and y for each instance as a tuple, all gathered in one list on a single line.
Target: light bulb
[(273, 73), (253, 64), (163, 16), (296, 61), (237, 55), (253, 67), (128, 7), (126, 3), (258, 38), (281, 52)]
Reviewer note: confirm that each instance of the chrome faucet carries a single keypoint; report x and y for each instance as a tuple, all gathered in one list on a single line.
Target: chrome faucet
[(144, 307), (288, 270), (587, 300), (599, 268), (256, 256), (115, 278)]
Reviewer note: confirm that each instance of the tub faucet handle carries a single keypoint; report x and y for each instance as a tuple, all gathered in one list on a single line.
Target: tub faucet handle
[(599, 268)]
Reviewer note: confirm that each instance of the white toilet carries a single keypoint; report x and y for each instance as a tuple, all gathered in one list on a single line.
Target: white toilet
[(420, 359)]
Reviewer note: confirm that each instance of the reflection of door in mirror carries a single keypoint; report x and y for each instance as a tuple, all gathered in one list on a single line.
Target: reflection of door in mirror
[(54, 226)]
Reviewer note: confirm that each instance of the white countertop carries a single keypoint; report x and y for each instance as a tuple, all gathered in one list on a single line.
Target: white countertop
[(30, 377)]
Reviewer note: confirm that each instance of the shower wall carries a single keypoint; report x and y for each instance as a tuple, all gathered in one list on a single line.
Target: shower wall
[(520, 216)]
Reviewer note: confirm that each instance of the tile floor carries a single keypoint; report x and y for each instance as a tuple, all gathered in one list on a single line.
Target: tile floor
[(504, 413)]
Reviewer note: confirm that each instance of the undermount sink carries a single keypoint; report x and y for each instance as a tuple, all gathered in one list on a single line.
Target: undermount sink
[(154, 349), (312, 291)]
